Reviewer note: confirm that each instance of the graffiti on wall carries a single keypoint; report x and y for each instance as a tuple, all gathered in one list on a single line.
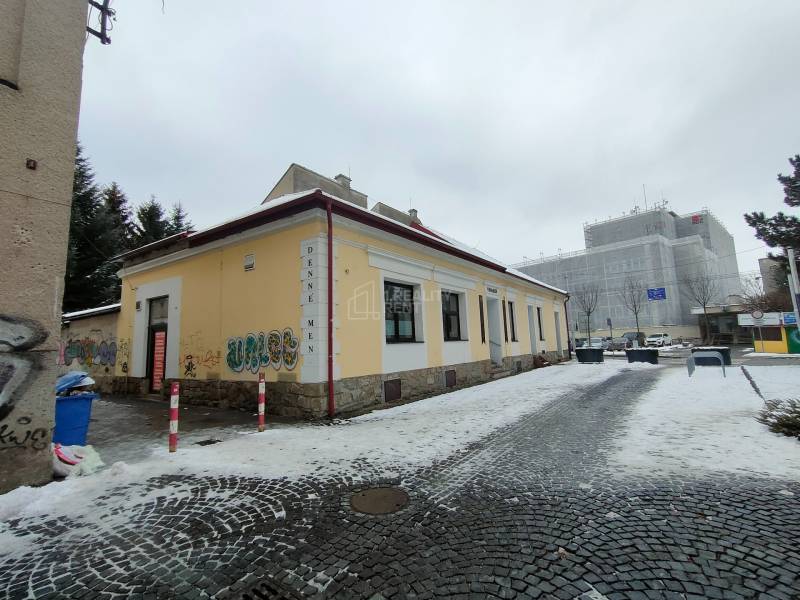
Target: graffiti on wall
[(88, 352), (189, 367), (275, 349), (22, 435), (196, 356), (17, 337), (123, 354)]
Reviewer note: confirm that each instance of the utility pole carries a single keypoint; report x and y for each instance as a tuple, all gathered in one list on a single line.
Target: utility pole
[(793, 283)]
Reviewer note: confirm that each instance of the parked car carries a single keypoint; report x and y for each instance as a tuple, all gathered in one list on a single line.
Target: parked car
[(596, 342), (659, 339), (634, 336), (580, 342), (619, 343)]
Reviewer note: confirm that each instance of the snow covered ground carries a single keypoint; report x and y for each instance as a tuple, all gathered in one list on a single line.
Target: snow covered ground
[(407, 436), (750, 353), (777, 382), (707, 423)]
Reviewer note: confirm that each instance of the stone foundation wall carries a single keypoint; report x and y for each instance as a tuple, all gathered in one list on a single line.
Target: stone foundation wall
[(310, 400)]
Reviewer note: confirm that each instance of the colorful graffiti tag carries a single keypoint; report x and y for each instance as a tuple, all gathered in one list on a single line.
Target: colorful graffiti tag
[(276, 349), (88, 352)]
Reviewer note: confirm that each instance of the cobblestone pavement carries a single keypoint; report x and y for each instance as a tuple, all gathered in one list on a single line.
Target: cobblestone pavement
[(532, 511)]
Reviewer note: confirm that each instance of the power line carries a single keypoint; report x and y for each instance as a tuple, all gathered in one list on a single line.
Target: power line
[(37, 198)]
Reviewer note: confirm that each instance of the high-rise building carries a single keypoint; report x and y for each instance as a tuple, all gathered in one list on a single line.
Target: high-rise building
[(656, 248)]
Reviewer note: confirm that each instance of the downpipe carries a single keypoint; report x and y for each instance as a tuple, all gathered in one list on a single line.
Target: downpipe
[(569, 339), (331, 399)]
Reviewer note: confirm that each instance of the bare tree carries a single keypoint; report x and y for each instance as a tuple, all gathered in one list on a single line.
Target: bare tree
[(755, 298), (701, 288), (586, 297), (634, 297)]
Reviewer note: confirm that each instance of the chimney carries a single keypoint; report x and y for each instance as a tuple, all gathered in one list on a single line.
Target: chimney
[(413, 213), (343, 180)]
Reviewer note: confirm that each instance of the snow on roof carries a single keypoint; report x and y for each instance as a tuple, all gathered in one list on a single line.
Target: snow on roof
[(88, 312), (522, 275), (285, 199), (464, 248), (434, 236)]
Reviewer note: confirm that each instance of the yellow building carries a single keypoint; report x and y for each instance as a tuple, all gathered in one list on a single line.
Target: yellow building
[(412, 312)]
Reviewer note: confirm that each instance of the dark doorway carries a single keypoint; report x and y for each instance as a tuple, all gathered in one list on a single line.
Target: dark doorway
[(157, 342)]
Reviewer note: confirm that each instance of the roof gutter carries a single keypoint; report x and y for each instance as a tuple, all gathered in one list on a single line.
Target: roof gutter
[(320, 200)]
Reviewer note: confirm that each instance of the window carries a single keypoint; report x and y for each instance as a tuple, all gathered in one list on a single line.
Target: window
[(159, 311), (505, 325), (483, 327), (767, 334), (513, 322), (451, 317), (539, 320), (399, 305)]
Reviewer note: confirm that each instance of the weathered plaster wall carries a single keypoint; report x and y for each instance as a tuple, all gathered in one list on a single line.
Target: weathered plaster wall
[(42, 55), (91, 345), (225, 311)]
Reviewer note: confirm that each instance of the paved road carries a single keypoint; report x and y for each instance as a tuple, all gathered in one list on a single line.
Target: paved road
[(532, 511)]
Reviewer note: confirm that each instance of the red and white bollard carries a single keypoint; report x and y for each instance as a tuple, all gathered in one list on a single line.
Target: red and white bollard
[(173, 417), (262, 392)]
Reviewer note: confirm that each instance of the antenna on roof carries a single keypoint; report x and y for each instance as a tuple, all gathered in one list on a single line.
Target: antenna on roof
[(644, 191)]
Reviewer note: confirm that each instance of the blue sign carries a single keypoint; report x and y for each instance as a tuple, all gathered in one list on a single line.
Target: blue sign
[(656, 293), (789, 319)]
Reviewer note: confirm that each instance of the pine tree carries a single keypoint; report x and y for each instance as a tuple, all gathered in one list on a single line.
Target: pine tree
[(119, 213), (781, 230), (178, 220), (151, 225), (89, 279)]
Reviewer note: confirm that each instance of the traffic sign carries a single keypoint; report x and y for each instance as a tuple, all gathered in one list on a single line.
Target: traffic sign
[(656, 294)]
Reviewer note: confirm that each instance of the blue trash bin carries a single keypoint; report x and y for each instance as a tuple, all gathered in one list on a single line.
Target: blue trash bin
[(72, 418)]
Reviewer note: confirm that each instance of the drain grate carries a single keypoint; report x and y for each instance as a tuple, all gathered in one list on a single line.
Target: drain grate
[(382, 500), (270, 590), (207, 442)]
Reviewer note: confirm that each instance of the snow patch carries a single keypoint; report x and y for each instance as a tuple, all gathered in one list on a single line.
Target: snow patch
[(777, 382), (706, 423)]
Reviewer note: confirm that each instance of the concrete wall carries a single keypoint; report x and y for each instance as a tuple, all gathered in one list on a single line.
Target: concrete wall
[(299, 179), (91, 345), (41, 55), (771, 274)]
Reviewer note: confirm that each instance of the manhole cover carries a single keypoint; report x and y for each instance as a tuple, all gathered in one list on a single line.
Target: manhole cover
[(379, 500)]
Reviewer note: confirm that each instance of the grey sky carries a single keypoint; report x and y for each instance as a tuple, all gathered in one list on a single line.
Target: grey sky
[(506, 124)]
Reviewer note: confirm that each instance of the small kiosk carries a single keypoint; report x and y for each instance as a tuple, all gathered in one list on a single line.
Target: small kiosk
[(773, 332)]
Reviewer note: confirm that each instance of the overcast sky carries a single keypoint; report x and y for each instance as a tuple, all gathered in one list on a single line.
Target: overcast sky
[(507, 125)]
